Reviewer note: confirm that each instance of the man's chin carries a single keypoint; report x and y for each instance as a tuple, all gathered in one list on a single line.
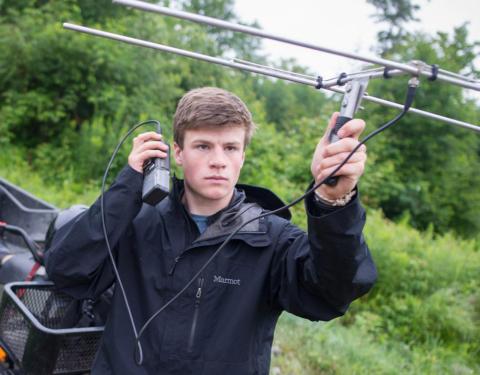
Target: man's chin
[(212, 192), (215, 194)]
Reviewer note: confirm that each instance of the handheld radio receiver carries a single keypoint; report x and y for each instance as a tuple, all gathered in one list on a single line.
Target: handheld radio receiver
[(156, 178)]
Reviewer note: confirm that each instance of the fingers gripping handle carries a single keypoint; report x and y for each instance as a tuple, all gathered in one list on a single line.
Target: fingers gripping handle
[(332, 138), (354, 91)]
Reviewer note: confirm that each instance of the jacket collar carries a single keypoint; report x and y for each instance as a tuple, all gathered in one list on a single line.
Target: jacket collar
[(224, 222), (243, 193)]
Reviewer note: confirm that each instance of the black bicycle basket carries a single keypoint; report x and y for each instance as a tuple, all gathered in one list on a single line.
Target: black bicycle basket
[(34, 324)]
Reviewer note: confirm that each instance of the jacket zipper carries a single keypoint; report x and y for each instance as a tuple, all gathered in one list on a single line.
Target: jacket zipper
[(172, 268), (198, 296)]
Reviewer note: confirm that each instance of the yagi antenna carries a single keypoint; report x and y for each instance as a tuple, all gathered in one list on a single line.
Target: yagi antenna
[(389, 68), (422, 69)]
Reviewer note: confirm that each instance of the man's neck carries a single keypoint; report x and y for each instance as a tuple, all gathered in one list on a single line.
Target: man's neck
[(200, 206)]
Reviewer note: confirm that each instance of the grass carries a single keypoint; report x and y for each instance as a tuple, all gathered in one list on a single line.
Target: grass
[(308, 348)]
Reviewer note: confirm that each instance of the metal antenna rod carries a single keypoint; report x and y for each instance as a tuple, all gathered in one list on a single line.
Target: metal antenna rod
[(460, 76), (370, 73), (194, 55), (255, 68), (422, 69)]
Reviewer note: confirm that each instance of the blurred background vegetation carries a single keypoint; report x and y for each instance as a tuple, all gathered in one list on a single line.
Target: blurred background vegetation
[(66, 98)]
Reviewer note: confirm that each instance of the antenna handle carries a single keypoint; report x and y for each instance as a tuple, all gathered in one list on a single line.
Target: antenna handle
[(333, 137)]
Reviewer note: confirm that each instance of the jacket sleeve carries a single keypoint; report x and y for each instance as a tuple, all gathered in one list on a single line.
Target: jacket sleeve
[(318, 275), (78, 261)]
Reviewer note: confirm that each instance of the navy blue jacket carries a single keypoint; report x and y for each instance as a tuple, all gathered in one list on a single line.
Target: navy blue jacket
[(224, 323)]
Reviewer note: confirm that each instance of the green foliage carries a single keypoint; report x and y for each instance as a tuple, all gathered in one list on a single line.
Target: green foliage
[(62, 79), (427, 290), (68, 97), (16, 167), (396, 14), (226, 40), (422, 166), (334, 349), (405, 253), (286, 102)]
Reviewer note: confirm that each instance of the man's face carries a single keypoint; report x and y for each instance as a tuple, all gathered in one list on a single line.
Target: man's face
[(211, 159)]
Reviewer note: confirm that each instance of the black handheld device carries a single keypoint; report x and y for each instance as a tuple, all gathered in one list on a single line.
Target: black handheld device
[(156, 178), (354, 91)]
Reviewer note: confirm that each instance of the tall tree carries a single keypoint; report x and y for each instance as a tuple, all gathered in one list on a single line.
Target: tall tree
[(396, 14), (429, 168), (241, 44)]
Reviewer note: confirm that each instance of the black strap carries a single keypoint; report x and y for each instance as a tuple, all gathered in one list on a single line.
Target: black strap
[(386, 72), (434, 74), (319, 82), (340, 77)]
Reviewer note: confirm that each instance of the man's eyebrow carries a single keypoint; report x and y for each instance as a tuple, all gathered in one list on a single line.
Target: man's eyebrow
[(228, 143), (199, 140)]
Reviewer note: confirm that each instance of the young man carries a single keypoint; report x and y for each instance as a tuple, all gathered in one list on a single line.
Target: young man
[(224, 323)]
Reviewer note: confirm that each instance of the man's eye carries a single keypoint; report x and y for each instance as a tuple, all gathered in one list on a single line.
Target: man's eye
[(231, 148), (202, 147)]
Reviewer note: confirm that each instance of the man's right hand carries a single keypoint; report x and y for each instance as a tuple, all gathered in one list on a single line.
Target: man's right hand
[(146, 146)]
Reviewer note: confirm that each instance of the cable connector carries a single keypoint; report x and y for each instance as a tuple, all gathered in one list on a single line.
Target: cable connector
[(413, 82), (420, 65)]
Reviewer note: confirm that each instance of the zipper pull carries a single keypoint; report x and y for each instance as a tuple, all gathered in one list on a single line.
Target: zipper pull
[(199, 290), (172, 269)]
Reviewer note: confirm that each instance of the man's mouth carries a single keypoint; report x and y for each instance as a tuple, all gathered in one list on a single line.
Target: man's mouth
[(216, 178)]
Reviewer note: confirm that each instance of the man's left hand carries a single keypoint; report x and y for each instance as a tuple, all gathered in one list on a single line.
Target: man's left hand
[(328, 156)]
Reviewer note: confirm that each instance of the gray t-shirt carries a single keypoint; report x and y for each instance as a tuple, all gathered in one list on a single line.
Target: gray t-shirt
[(201, 222)]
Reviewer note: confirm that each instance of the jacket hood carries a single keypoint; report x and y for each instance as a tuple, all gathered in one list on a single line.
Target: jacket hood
[(251, 194)]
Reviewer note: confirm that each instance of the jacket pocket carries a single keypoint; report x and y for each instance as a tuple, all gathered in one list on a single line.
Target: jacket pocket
[(193, 329)]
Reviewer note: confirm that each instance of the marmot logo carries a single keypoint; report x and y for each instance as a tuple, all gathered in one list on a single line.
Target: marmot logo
[(223, 280)]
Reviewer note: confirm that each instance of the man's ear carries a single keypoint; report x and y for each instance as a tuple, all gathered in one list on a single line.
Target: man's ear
[(178, 153)]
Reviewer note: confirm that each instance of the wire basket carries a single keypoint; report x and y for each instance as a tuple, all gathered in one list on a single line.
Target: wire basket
[(34, 325)]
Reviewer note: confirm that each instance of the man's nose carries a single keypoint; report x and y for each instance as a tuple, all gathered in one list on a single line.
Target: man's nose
[(218, 159)]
